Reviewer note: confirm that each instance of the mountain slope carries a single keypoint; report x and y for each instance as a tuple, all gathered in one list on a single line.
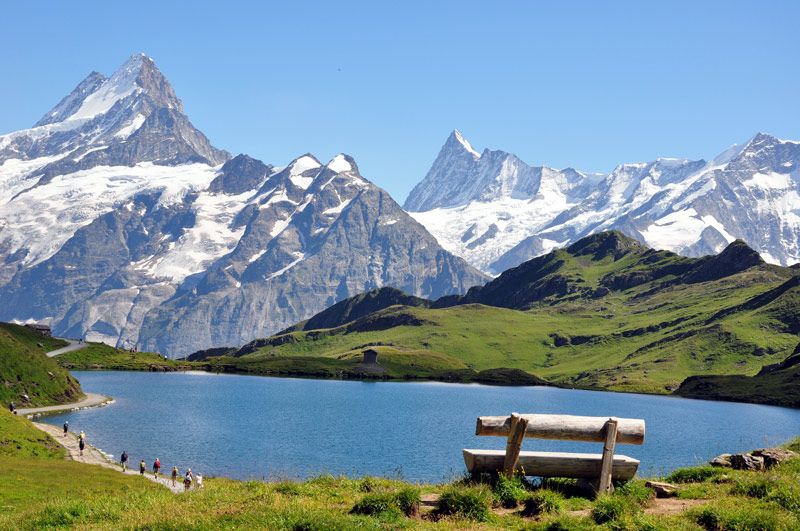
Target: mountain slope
[(496, 211), (121, 223), (26, 370), (606, 312)]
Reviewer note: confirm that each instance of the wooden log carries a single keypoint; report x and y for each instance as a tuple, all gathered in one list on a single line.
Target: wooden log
[(565, 427), (514, 444), (604, 485), (551, 464)]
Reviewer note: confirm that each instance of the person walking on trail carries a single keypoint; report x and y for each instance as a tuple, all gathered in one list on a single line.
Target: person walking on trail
[(66, 427), (174, 475), (156, 467), (198, 482), (82, 442), (123, 459), (187, 480), (11, 407), (142, 467)]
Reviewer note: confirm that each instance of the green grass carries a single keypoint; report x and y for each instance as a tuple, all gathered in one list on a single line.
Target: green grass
[(19, 438), (24, 369), (640, 339), (98, 356), (41, 490)]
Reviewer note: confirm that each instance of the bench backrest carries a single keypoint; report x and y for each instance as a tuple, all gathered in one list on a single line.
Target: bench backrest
[(565, 427)]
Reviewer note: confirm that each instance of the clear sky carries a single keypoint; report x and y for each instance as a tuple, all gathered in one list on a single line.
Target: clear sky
[(582, 84)]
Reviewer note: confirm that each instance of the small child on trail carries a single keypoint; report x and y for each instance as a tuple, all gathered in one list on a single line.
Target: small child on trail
[(174, 475), (187, 480), (82, 443), (66, 427), (142, 467), (198, 482), (123, 459), (156, 467)]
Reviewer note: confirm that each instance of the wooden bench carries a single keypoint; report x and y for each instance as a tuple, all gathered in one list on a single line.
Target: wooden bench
[(599, 467)]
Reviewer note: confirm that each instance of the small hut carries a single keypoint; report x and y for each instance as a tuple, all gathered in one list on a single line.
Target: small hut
[(41, 328), (370, 357)]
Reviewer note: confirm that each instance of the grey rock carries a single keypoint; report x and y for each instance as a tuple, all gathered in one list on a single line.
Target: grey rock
[(774, 456), (747, 462), (722, 460)]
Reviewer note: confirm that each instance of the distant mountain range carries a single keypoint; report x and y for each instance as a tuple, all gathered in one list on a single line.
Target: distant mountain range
[(120, 222), (496, 211)]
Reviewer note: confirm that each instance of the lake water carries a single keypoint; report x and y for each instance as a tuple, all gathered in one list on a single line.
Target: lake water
[(271, 428)]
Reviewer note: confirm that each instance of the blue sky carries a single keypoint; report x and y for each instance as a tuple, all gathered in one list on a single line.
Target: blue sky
[(583, 84)]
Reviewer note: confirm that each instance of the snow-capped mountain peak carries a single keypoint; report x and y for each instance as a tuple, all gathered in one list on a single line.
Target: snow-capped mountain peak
[(749, 191), (458, 138)]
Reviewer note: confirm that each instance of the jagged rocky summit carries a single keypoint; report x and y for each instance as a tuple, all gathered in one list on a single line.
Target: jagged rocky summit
[(496, 211), (120, 222)]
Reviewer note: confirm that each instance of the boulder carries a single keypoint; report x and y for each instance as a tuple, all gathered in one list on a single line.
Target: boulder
[(747, 462), (723, 460), (662, 490), (774, 456)]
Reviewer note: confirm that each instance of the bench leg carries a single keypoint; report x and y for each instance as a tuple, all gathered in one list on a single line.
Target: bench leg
[(604, 485), (514, 444)]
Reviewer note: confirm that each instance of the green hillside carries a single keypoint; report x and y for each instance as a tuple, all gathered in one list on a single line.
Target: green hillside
[(604, 313), (25, 369), (99, 356)]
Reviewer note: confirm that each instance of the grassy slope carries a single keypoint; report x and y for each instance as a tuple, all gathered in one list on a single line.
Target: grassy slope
[(98, 356), (38, 489), (24, 368), (639, 339)]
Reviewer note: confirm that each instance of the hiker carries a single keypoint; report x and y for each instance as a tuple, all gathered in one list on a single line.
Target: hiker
[(142, 467), (82, 435), (156, 467), (174, 475), (198, 482), (82, 442), (187, 480), (11, 407), (66, 427), (123, 459)]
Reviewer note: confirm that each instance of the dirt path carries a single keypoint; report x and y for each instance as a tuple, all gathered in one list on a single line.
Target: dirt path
[(91, 400), (73, 346), (93, 456)]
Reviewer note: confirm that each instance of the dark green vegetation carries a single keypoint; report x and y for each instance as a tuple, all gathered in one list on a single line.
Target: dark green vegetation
[(774, 384), (25, 369), (98, 356), (604, 313), (39, 489)]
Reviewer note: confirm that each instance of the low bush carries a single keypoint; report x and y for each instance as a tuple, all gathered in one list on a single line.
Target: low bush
[(636, 491), (510, 491), (389, 504), (695, 474), (543, 502), (612, 508), (474, 503), (377, 504), (744, 518)]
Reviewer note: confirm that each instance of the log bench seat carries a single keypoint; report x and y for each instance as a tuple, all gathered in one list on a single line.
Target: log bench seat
[(600, 468), (551, 464)]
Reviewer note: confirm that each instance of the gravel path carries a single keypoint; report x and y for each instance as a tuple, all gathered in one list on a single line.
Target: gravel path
[(93, 456), (91, 400), (73, 346)]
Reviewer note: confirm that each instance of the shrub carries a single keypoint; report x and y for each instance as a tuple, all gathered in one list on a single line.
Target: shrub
[(408, 501), (510, 491), (377, 504), (695, 474), (367, 485), (783, 493), (636, 491), (543, 502), (389, 504), (469, 502), (716, 517), (609, 508)]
